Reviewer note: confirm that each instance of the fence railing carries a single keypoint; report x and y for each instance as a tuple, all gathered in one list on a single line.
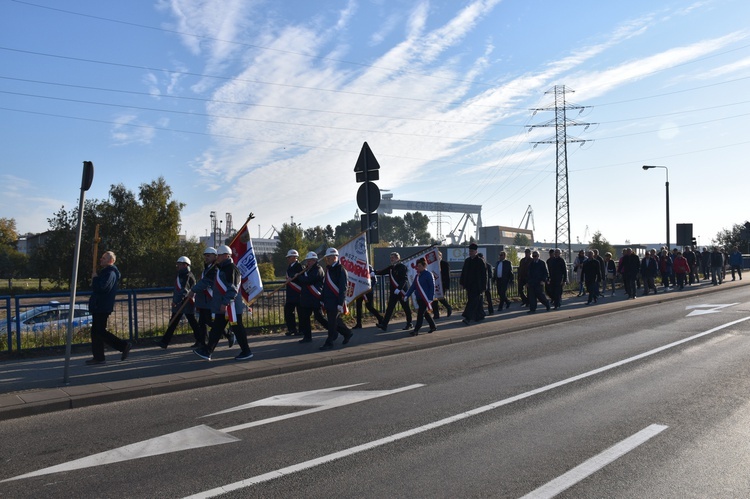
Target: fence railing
[(145, 313)]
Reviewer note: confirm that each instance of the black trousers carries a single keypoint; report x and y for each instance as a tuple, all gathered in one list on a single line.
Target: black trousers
[(488, 297), (536, 292), (393, 299), (368, 299), (100, 336), (290, 318), (217, 331), (422, 314), (335, 325), (521, 285), (502, 291), (555, 292), (436, 307), (305, 324), (205, 321), (175, 321), (474, 310)]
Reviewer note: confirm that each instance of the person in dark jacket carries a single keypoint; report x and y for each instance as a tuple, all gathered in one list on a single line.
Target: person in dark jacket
[(424, 289), (334, 299), (445, 280), (226, 304), (538, 277), (311, 282), (649, 271), (692, 260), (523, 276), (203, 300), (293, 291), (705, 258), (369, 300), (399, 283), (504, 276), (474, 281), (592, 276), (665, 268), (104, 285), (717, 266), (180, 304), (558, 277), (488, 289), (631, 265), (735, 262)]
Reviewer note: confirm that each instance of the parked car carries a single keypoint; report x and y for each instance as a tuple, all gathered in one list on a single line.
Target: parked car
[(52, 316)]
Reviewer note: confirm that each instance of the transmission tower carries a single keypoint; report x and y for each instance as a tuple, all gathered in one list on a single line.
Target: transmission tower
[(561, 140)]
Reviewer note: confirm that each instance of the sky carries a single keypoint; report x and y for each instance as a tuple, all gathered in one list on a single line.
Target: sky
[(263, 106)]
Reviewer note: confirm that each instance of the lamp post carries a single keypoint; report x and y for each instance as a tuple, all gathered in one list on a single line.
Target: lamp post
[(648, 167)]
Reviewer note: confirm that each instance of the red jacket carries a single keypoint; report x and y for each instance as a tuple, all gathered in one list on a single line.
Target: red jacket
[(681, 265)]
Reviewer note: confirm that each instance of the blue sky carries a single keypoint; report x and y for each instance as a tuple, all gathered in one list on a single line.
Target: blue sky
[(262, 106)]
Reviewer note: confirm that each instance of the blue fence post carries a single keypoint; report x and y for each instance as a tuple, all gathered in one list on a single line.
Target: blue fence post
[(132, 314), (18, 323), (8, 322)]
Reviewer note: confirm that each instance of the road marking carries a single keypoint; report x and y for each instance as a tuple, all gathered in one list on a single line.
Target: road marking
[(591, 466), (272, 475), (205, 436), (706, 309), (189, 438)]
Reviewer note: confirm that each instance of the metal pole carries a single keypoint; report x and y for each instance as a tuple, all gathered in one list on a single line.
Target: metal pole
[(667, 184), (86, 179)]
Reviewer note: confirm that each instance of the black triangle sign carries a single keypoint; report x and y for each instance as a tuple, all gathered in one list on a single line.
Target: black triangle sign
[(366, 160)]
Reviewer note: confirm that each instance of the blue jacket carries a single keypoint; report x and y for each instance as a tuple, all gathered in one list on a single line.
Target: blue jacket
[(203, 289), (426, 290), (311, 281), (183, 284), (334, 286), (735, 259), (225, 287), (104, 288)]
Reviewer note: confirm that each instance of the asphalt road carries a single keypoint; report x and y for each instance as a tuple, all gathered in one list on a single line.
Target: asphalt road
[(650, 402)]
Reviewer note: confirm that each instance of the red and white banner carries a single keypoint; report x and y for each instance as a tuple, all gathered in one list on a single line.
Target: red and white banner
[(243, 256), (433, 265), (353, 257)]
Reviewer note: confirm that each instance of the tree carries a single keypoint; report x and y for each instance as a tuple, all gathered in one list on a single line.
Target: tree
[(143, 232), (8, 234), (736, 236), (291, 236), (521, 240), (600, 243), (347, 231), (12, 262)]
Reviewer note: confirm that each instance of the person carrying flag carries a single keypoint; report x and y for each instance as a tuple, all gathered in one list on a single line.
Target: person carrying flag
[(226, 304), (396, 271), (424, 288), (181, 305), (333, 297)]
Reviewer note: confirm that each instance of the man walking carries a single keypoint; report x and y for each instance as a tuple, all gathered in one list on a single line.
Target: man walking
[(226, 304), (334, 299), (293, 290), (504, 276), (445, 280), (180, 304), (538, 277), (104, 287), (368, 299), (523, 277), (399, 283), (311, 281), (474, 281), (558, 277), (735, 262)]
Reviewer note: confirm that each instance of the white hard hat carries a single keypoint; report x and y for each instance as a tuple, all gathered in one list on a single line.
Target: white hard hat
[(311, 256), (224, 250), (184, 259), (292, 253), (210, 251), (332, 252)]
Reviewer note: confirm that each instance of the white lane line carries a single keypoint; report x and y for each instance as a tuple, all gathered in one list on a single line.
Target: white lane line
[(437, 424), (591, 466)]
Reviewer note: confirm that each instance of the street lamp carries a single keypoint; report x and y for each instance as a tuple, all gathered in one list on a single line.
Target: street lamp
[(648, 167)]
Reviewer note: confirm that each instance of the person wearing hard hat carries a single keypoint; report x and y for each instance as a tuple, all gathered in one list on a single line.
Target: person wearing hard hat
[(311, 283), (183, 283), (203, 300), (399, 283), (293, 291), (334, 299), (368, 299), (226, 304)]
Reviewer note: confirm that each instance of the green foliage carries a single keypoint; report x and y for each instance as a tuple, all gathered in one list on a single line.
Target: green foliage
[(600, 243), (511, 254), (736, 236), (291, 236), (411, 230), (267, 272), (521, 240)]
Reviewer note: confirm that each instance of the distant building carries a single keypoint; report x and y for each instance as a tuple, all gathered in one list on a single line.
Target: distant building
[(497, 234)]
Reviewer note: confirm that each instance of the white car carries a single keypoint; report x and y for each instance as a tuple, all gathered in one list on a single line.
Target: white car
[(52, 316)]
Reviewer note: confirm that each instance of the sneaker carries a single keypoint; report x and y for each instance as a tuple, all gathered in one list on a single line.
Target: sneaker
[(202, 353), (231, 339), (95, 362), (126, 352), (244, 356)]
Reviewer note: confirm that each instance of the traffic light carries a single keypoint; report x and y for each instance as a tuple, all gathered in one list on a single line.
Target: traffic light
[(693, 243)]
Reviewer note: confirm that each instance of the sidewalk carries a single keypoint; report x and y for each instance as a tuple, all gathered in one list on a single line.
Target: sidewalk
[(34, 385)]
